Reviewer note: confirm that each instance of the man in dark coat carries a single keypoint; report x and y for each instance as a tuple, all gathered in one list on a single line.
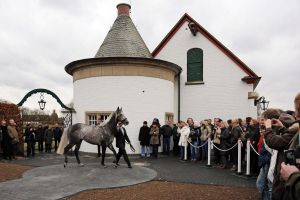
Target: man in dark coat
[(166, 132), (6, 142), (144, 138), (121, 137), (57, 135), (40, 135)]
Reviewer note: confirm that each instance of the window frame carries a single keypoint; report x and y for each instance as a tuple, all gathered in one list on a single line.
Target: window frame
[(98, 114), (201, 67)]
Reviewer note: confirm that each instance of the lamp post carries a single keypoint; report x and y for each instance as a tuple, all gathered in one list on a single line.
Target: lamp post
[(41, 102)]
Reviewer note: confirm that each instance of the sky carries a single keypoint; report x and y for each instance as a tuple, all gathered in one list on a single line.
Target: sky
[(38, 38)]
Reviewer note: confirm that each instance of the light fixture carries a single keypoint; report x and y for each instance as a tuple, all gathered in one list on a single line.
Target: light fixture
[(41, 102), (263, 103)]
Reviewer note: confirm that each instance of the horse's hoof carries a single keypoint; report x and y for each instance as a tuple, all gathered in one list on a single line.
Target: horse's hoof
[(116, 166), (80, 165), (65, 165), (104, 166)]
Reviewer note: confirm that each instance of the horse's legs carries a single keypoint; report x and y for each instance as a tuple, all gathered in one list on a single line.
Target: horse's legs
[(111, 147), (66, 150), (76, 153), (103, 153)]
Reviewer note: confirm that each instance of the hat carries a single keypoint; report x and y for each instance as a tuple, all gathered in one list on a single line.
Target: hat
[(286, 119), (145, 122)]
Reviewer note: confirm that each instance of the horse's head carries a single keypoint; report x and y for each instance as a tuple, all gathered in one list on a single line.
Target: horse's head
[(121, 117)]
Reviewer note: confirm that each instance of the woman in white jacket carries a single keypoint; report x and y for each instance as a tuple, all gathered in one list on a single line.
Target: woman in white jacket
[(184, 134)]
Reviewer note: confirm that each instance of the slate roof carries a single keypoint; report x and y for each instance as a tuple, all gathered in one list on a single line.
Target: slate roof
[(123, 40)]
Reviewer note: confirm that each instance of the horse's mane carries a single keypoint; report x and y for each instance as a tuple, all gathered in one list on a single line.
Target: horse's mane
[(108, 119)]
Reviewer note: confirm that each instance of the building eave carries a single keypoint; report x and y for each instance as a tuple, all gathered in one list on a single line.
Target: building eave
[(217, 43)]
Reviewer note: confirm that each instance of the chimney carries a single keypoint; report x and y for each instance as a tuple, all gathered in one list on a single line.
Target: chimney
[(123, 9)]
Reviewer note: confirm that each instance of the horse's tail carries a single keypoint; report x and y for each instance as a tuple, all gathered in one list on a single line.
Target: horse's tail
[(63, 142)]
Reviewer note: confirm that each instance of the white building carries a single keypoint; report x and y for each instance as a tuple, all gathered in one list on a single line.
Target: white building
[(213, 82)]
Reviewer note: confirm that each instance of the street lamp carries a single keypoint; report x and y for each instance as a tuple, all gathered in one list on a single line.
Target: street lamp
[(263, 104), (41, 102)]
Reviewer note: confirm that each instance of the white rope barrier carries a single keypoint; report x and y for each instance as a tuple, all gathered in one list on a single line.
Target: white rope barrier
[(197, 146), (254, 149), (224, 149)]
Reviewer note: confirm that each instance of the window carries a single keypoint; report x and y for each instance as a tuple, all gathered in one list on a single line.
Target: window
[(169, 117), (96, 118), (195, 65)]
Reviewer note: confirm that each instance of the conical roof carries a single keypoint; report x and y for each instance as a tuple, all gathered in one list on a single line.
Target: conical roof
[(123, 40)]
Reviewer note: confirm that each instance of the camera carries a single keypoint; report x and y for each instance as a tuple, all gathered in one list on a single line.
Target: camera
[(273, 121), (292, 157)]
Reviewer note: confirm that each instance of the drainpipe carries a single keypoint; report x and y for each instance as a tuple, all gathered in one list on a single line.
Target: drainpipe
[(178, 75)]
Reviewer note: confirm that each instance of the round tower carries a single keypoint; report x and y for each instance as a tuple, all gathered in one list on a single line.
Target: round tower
[(123, 73)]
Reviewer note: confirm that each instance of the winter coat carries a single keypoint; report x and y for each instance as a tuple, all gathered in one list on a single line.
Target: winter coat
[(225, 137), (57, 132), (121, 137), (194, 134), (166, 131), (292, 187), (40, 134), (175, 134), (184, 133), (6, 141), (144, 136), (235, 135), (48, 136), (26, 134), (205, 133), (280, 142), (154, 133), (217, 134), (13, 134), (31, 137)]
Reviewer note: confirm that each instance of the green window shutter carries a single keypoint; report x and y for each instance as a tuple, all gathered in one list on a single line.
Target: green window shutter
[(195, 65)]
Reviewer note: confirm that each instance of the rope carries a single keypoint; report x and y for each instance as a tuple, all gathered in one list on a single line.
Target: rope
[(224, 149), (253, 149), (197, 146)]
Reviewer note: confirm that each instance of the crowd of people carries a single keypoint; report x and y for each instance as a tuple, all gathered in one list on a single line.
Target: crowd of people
[(274, 137), (43, 136)]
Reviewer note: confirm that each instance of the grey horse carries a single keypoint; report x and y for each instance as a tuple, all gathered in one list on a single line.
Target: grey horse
[(98, 135)]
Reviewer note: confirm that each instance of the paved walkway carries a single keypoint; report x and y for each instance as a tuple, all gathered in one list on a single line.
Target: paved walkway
[(55, 182), (59, 182)]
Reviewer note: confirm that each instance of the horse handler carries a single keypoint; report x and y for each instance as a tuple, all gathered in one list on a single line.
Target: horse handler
[(121, 137)]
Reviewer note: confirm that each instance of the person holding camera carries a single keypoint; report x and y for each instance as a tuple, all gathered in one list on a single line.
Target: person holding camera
[(291, 175), (280, 130)]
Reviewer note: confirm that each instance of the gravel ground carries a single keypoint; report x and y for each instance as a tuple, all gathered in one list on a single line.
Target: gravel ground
[(169, 191), (163, 190), (10, 171)]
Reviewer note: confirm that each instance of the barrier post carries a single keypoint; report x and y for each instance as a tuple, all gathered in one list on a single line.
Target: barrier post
[(248, 158), (239, 157), (208, 152), (185, 148)]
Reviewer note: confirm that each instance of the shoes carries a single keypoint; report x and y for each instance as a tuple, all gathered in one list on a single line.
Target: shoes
[(129, 166)]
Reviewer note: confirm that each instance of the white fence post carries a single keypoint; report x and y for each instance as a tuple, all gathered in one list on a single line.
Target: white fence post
[(248, 158), (208, 152), (185, 149), (239, 156)]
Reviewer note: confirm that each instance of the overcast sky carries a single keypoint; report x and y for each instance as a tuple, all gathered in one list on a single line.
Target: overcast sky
[(39, 37)]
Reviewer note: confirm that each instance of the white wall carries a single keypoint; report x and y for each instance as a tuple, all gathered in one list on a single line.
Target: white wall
[(106, 93), (223, 94)]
